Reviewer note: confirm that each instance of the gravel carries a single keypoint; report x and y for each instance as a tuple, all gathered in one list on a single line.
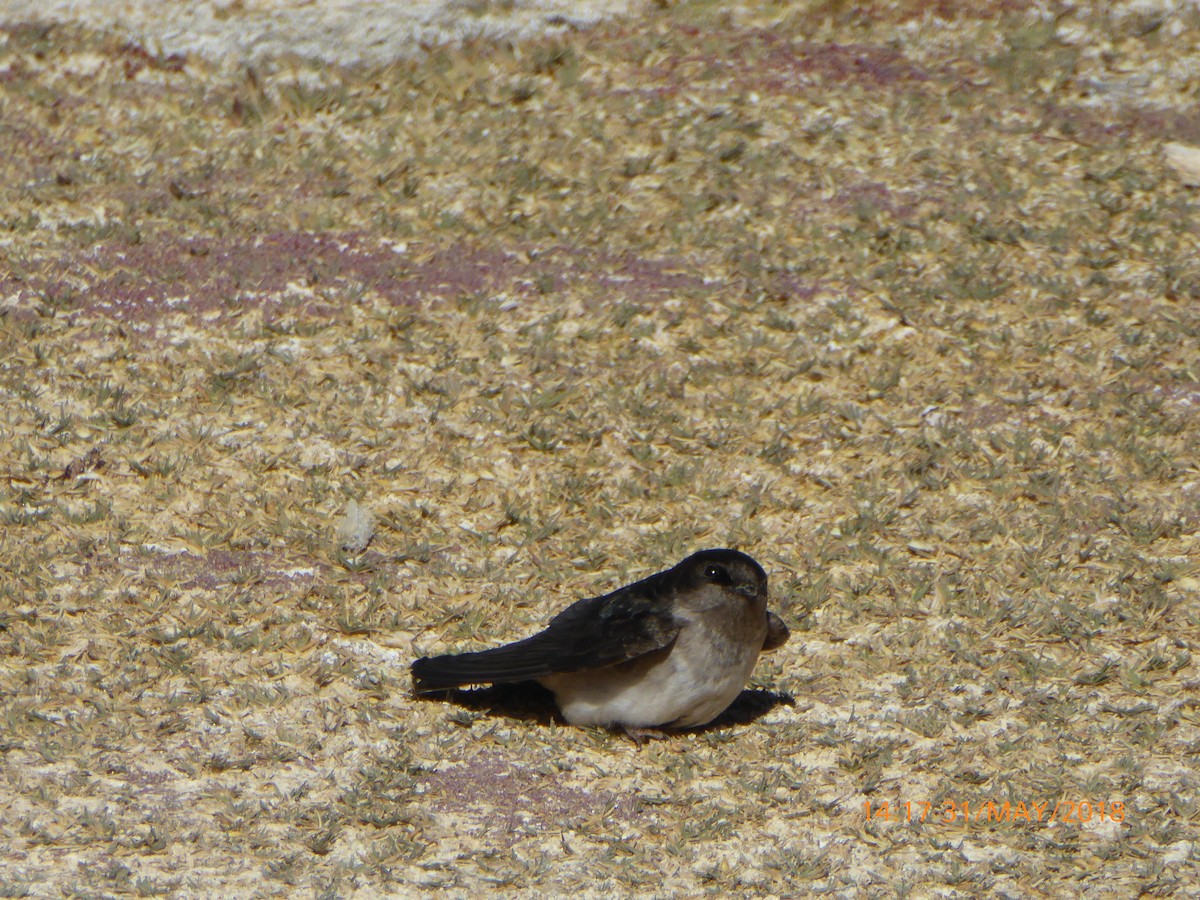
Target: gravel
[(335, 31)]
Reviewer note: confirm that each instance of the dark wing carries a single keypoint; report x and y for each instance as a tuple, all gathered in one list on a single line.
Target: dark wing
[(777, 632), (590, 634)]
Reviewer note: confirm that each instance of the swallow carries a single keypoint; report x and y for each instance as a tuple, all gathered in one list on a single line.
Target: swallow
[(669, 651)]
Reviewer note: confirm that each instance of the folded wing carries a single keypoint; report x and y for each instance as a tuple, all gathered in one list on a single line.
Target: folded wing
[(590, 634)]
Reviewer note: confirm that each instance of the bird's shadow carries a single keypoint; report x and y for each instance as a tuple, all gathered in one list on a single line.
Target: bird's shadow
[(749, 706), (528, 701)]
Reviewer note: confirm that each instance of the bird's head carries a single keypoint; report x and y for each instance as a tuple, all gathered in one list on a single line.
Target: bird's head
[(724, 573)]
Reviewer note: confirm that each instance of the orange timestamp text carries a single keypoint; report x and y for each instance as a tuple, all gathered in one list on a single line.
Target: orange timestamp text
[(979, 812)]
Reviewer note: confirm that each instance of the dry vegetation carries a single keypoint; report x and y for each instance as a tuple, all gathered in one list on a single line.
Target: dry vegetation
[(906, 307)]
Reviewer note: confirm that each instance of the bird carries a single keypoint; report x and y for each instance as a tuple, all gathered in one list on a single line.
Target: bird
[(671, 651)]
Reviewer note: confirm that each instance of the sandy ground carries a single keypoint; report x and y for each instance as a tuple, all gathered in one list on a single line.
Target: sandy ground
[(905, 305), (345, 31)]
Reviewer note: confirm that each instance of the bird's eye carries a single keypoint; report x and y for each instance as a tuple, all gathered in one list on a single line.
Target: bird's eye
[(717, 574)]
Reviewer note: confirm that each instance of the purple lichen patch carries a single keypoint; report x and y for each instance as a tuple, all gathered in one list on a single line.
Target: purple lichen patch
[(762, 60), (202, 278), (219, 568), (788, 66), (512, 798)]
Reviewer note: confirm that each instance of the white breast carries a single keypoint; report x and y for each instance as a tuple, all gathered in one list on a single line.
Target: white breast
[(690, 684)]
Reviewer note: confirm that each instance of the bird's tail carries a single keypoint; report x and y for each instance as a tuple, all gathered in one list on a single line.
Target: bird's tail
[(523, 661)]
